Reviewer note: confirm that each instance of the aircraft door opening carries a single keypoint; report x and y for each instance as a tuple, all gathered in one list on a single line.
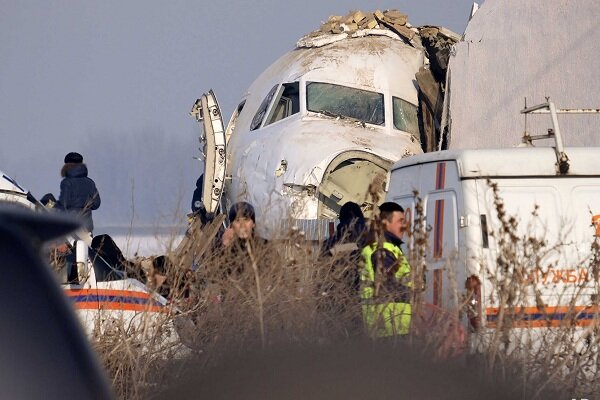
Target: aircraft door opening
[(348, 178)]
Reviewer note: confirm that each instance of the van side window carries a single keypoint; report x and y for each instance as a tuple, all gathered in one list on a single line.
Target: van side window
[(262, 110), (287, 103)]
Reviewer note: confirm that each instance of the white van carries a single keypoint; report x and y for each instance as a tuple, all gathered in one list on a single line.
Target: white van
[(548, 194)]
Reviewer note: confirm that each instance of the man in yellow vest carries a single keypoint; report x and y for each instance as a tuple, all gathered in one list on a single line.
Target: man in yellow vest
[(386, 282)]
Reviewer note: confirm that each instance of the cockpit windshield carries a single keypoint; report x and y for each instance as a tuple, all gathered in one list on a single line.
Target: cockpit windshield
[(405, 116), (345, 102)]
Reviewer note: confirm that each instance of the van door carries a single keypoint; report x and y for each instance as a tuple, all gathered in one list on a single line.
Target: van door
[(213, 149), (438, 185)]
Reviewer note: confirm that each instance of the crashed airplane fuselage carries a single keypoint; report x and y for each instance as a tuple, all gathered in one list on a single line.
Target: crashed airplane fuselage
[(317, 127), (320, 123)]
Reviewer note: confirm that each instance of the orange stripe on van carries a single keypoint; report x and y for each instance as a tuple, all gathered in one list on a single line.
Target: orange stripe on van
[(533, 317), (107, 292), (108, 299)]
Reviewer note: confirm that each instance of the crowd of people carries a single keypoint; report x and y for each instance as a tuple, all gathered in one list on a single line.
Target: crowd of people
[(379, 277)]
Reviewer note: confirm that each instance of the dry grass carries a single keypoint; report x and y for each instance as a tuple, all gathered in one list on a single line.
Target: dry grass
[(283, 293)]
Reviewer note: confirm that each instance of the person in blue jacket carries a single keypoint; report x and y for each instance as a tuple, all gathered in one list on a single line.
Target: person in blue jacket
[(78, 193)]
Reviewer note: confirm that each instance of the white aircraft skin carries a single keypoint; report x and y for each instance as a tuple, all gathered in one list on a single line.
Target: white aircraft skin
[(307, 141)]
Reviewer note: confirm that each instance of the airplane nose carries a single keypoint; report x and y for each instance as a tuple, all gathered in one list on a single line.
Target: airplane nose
[(355, 176)]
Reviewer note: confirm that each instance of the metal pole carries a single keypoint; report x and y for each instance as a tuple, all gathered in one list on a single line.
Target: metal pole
[(559, 142)]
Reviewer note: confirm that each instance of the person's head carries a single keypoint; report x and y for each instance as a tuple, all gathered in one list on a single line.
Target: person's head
[(73, 158), (242, 219), (392, 217), (351, 213)]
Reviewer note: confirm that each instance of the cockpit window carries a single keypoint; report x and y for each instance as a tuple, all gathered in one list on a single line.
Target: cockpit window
[(262, 110), (240, 107), (345, 102), (405, 116), (233, 120), (287, 102)]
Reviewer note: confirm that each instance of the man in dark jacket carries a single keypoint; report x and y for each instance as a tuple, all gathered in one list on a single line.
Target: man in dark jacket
[(198, 208), (339, 290), (351, 229), (78, 193), (347, 243)]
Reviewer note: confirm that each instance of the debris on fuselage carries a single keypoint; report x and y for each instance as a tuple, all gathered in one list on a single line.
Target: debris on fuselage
[(395, 22), (435, 41)]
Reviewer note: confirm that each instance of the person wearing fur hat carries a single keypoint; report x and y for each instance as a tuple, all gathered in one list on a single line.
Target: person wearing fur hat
[(78, 193)]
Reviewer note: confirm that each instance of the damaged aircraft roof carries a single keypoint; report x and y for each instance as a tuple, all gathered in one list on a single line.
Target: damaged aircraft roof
[(391, 23), (436, 42)]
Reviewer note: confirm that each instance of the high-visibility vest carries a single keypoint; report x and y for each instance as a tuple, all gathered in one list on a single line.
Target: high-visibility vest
[(367, 275), (386, 316)]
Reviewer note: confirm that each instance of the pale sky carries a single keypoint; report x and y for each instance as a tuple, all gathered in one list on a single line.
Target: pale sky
[(115, 80)]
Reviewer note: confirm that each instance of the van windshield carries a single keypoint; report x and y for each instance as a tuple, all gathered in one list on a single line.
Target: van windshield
[(345, 102)]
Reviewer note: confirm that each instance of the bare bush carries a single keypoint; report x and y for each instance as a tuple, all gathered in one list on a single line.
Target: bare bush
[(536, 331), (266, 295)]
